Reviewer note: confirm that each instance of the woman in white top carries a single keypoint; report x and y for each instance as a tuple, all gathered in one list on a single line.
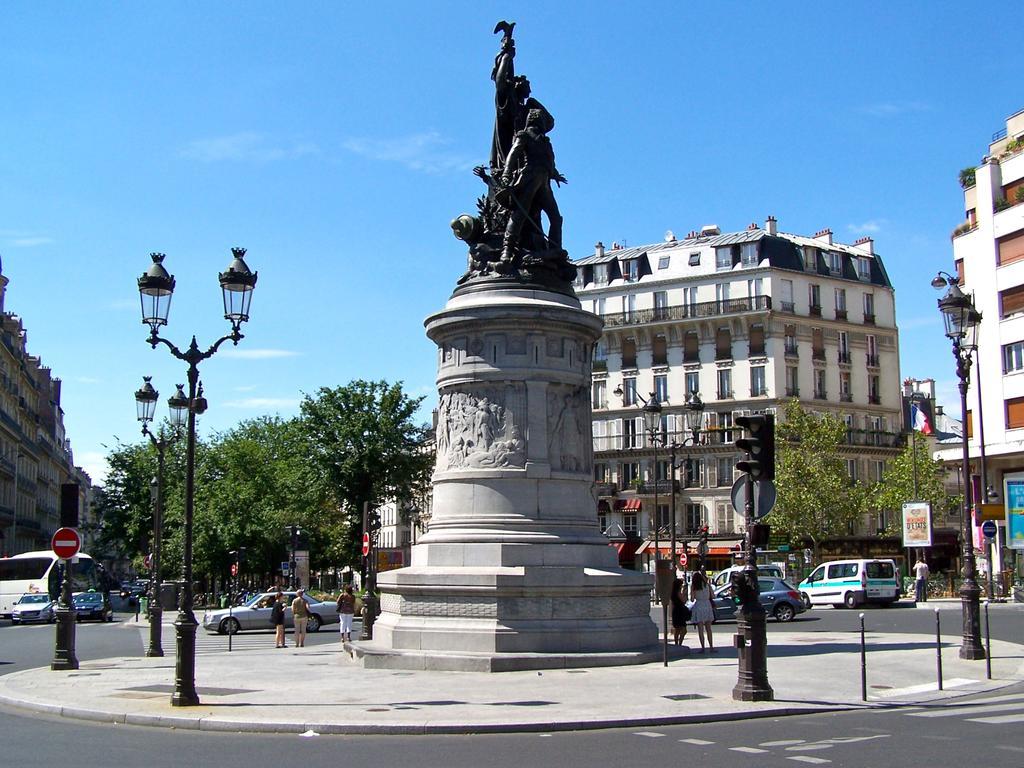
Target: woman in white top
[(702, 613)]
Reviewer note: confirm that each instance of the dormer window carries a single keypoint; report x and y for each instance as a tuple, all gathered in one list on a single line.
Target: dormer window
[(748, 254), (601, 274), (835, 262), (664, 261), (630, 271), (864, 268), (695, 259), (723, 259)]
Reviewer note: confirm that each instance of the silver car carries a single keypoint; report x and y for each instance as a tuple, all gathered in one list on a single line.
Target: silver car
[(33, 607), (255, 614)]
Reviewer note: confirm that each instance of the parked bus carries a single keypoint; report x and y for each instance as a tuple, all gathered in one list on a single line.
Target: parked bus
[(38, 572)]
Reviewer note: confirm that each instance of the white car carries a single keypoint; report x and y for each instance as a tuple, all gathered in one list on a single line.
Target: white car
[(34, 607), (255, 614)]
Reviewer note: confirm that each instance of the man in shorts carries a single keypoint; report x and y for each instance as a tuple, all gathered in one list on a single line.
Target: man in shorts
[(300, 613)]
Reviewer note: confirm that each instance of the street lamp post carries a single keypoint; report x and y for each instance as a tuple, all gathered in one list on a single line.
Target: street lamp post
[(694, 410), (962, 321), (156, 286), (145, 401), (293, 531)]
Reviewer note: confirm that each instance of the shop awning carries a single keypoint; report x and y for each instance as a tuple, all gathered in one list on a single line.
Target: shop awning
[(628, 504), (626, 549)]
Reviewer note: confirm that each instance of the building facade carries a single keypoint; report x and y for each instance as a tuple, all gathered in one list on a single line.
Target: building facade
[(988, 254), (35, 455), (748, 320)]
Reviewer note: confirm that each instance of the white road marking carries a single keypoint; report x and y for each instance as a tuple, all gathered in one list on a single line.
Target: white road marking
[(809, 759), (697, 742), (955, 682), (967, 709), (811, 747), (1009, 748), (783, 743), (748, 750), (994, 699), (998, 720), (649, 734)]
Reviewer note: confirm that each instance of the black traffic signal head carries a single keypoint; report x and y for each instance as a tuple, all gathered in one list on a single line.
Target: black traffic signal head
[(759, 445)]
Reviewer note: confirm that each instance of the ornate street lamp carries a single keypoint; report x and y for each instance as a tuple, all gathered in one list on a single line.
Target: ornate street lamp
[(693, 413), (962, 321), (156, 287), (145, 402)]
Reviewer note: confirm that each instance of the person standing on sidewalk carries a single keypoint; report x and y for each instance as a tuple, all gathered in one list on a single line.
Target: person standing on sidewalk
[(921, 573), (346, 610), (277, 619), (702, 611), (680, 613), (300, 613)]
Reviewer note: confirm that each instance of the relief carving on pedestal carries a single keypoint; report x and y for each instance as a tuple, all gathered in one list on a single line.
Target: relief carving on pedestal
[(479, 431), (568, 437)]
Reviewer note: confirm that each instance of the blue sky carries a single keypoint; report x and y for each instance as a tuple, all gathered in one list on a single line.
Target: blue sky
[(335, 142)]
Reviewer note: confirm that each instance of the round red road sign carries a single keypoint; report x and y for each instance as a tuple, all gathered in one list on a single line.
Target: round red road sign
[(366, 544), (65, 543), (683, 559)]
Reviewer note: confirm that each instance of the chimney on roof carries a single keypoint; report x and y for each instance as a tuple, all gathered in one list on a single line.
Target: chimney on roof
[(692, 235), (825, 235), (865, 244), (599, 248), (771, 226), (752, 226), (616, 246)]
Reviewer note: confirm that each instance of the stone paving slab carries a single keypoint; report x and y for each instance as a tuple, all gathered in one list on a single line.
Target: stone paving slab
[(321, 689)]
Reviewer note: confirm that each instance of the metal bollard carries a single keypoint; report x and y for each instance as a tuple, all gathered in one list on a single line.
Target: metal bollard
[(938, 649), (863, 663), (988, 646)]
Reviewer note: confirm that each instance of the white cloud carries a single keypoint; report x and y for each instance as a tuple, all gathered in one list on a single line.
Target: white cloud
[(894, 108), (258, 403), (925, 321), (259, 354), (246, 387), (87, 380), (17, 238), (247, 146), (420, 152), (871, 227)]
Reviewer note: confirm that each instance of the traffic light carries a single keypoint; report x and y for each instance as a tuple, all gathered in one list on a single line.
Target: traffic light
[(241, 555), (234, 569), (759, 446)]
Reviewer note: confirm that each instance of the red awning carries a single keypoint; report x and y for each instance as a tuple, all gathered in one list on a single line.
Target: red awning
[(626, 549), (628, 504)]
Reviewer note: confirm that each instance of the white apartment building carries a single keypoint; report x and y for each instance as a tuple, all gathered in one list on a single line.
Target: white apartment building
[(988, 252), (748, 320)]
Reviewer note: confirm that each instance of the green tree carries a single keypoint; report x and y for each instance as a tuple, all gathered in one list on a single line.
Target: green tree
[(364, 440), (816, 498), (898, 485)]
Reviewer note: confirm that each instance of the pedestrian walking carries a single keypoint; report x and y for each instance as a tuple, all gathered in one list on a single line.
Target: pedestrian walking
[(702, 612), (277, 619), (680, 613), (921, 573), (346, 610), (300, 613)]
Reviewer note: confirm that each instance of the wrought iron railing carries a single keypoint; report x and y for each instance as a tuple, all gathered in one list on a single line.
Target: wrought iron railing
[(696, 310)]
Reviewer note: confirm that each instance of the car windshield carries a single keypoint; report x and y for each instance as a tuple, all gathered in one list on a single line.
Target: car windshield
[(34, 599), (88, 598)]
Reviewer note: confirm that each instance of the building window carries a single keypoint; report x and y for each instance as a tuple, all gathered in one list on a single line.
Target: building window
[(1011, 301), (600, 399), (661, 387), (835, 262), (724, 518), (692, 383), (660, 305), (630, 474), (814, 298), (1015, 413), (663, 517), (691, 347), (872, 345), (787, 296), (792, 381), (722, 292), (725, 427), (601, 274), (629, 391), (600, 352), (844, 347), (630, 433), (844, 387), (659, 351), (852, 470), (819, 384), (723, 258), (875, 389), (695, 259), (630, 270), (817, 344), (1013, 357), (840, 303), (790, 339), (629, 353), (748, 254), (664, 261), (757, 386), (693, 515), (723, 344), (756, 340), (693, 473), (690, 300), (755, 288), (724, 383), (869, 307), (725, 466), (1011, 248), (602, 473), (629, 524), (864, 268), (602, 519)]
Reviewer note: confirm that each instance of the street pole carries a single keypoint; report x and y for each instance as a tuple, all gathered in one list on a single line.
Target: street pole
[(751, 636), (672, 486), (64, 642), (984, 483), (292, 578), (156, 611)]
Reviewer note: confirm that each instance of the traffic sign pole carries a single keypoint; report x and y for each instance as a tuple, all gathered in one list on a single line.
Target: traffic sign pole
[(65, 544)]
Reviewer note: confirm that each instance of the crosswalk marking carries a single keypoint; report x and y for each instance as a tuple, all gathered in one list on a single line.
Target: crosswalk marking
[(956, 682), (697, 742), (748, 750), (783, 743), (809, 759), (998, 720), (967, 709), (649, 734)]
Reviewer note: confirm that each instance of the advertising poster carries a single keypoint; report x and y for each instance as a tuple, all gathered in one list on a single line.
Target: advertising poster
[(917, 523), (1015, 514)]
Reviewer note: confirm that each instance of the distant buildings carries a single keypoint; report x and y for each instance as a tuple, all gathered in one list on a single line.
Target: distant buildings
[(748, 320), (35, 454), (988, 253)]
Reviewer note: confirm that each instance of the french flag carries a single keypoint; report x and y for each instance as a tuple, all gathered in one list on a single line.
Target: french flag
[(919, 419)]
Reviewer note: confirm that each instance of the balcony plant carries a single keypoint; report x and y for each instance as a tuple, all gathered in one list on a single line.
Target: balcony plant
[(1000, 204), (967, 177), (961, 229)]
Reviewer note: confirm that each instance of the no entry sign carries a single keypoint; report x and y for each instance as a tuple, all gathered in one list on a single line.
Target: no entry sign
[(366, 544), (65, 543)]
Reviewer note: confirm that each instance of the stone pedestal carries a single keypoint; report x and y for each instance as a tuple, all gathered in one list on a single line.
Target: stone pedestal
[(514, 572)]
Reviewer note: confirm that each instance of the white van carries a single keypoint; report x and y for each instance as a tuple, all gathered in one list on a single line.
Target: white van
[(722, 577), (852, 583)]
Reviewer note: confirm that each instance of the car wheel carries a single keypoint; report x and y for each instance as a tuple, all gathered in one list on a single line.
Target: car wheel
[(850, 601), (229, 626), (784, 612), (313, 623), (807, 600)]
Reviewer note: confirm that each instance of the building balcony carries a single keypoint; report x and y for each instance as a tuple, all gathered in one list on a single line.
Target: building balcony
[(788, 306), (870, 437), (7, 467), (817, 354), (725, 395), (663, 487), (840, 314), (696, 311), (814, 310), (820, 394), (792, 391), (600, 365), (691, 358), (844, 357), (792, 350), (875, 399), (846, 397), (606, 489), (872, 361), (869, 318)]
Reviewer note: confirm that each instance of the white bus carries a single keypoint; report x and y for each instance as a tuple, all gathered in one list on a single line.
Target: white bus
[(39, 572)]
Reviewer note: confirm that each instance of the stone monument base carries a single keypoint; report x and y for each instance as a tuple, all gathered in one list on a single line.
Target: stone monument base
[(373, 657)]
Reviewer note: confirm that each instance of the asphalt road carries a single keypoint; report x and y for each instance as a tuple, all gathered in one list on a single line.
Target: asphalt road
[(947, 734)]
